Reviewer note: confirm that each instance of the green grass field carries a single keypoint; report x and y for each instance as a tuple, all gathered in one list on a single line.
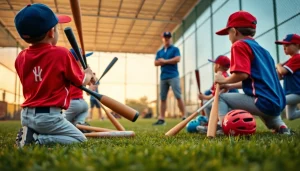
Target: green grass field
[(151, 150)]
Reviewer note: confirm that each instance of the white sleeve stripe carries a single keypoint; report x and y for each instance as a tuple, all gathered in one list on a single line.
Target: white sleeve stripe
[(286, 67)]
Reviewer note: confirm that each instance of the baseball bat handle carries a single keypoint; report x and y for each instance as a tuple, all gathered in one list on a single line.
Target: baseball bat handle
[(70, 35)]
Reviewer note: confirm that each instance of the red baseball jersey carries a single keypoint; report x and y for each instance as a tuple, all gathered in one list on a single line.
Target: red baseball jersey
[(46, 73), (213, 87), (75, 93), (241, 57)]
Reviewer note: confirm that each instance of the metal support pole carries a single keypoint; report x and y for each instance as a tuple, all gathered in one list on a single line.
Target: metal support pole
[(196, 47), (276, 29), (212, 35), (183, 62), (16, 82), (125, 81)]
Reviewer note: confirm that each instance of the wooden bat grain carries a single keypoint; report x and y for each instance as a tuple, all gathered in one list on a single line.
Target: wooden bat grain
[(214, 114)]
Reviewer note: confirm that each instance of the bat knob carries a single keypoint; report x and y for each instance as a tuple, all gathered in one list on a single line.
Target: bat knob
[(135, 117)]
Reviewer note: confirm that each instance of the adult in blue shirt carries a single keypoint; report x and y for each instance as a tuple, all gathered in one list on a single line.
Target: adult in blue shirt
[(167, 58)]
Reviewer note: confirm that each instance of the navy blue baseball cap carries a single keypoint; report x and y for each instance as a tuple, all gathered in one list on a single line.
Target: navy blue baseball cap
[(34, 20), (75, 56), (167, 34), (290, 39)]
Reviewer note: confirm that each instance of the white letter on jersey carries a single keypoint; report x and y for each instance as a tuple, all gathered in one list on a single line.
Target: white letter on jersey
[(37, 74)]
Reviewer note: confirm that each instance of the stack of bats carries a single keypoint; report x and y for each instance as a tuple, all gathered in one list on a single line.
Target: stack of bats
[(114, 105)]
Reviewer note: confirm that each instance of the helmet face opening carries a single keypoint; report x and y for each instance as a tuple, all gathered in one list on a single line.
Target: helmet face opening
[(239, 122)]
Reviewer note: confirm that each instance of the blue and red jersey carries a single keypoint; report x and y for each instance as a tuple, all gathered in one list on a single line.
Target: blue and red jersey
[(249, 57), (291, 82)]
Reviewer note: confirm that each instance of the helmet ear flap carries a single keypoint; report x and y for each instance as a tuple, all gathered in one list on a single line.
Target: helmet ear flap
[(239, 122)]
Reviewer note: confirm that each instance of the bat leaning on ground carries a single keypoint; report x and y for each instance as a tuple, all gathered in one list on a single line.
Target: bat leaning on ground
[(114, 105), (113, 120), (197, 73), (177, 128), (214, 115)]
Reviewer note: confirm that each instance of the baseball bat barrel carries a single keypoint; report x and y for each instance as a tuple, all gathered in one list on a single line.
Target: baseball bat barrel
[(111, 134), (75, 7), (214, 114), (126, 111), (198, 79), (92, 128), (72, 40), (177, 128)]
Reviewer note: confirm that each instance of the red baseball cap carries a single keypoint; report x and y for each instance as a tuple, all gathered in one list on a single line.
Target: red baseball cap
[(290, 39), (221, 60), (239, 19)]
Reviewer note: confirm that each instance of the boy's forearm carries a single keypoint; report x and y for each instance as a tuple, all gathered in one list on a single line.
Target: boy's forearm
[(238, 85), (235, 78), (208, 97), (87, 79), (281, 70)]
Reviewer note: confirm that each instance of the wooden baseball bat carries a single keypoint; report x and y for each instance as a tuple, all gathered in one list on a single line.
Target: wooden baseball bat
[(92, 128), (111, 134), (113, 120), (214, 114), (197, 73), (177, 128), (75, 7), (125, 111)]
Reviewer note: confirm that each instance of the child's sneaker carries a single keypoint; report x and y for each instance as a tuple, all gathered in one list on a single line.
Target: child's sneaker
[(25, 136), (284, 130), (160, 122), (203, 130)]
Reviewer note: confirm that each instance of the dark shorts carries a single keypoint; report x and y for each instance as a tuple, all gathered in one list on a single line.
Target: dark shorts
[(95, 103), (165, 85)]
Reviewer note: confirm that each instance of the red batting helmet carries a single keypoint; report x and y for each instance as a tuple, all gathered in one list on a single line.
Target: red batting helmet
[(238, 122)]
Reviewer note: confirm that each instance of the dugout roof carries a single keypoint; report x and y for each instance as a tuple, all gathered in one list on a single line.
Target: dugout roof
[(108, 25)]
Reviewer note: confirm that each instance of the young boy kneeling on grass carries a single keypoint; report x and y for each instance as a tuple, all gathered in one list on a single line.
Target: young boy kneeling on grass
[(221, 64), (252, 69), (46, 72), (290, 73)]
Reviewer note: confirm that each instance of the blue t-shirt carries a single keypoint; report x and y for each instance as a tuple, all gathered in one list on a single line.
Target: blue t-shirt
[(263, 82), (291, 82), (168, 71)]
